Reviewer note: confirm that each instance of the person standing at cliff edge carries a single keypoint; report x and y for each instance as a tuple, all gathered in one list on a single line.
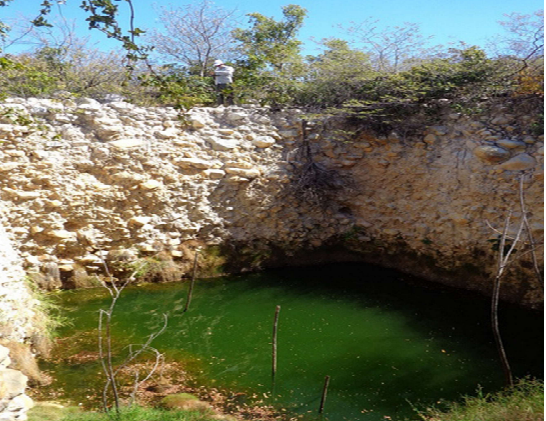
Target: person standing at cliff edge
[(223, 78)]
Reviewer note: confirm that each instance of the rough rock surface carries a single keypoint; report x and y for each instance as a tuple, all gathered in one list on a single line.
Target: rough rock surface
[(14, 403), (82, 179), (16, 301)]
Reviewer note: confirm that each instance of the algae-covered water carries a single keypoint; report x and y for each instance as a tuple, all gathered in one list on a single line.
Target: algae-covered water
[(387, 342)]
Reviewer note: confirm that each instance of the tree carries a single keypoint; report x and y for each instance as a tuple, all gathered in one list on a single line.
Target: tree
[(524, 36), (195, 34), (106, 354), (60, 61), (63, 60), (270, 64), (523, 45), (513, 246), (333, 77), (102, 15), (60, 34), (466, 73), (90, 73), (391, 47), (271, 43)]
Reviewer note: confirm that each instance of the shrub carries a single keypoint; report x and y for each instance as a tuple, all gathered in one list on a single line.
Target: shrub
[(523, 402), (77, 70), (174, 88)]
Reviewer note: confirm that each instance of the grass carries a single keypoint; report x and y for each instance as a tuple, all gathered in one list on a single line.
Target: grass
[(49, 316), (133, 413), (524, 402), (50, 412)]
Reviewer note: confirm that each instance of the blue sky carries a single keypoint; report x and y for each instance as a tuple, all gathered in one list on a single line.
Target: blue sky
[(470, 21)]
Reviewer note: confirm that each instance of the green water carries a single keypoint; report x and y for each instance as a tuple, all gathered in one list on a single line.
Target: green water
[(387, 343)]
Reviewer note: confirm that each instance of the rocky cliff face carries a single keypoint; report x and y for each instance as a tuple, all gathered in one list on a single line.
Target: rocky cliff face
[(441, 200), (82, 181), (17, 317), (16, 302), (14, 403)]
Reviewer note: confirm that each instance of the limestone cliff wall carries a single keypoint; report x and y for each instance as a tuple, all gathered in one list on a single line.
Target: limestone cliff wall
[(14, 403), (17, 305), (83, 180), (441, 200)]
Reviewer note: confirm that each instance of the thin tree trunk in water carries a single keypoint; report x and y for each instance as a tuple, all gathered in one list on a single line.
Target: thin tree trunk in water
[(324, 393), (502, 263), (496, 332), (110, 365), (190, 292), (274, 341), (107, 365)]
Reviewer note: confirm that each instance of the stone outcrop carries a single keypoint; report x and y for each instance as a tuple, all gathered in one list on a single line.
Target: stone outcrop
[(14, 403), (84, 181), (17, 305), (442, 199)]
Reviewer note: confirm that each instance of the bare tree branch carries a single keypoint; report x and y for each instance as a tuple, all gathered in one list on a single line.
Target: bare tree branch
[(506, 256), (105, 335), (195, 34)]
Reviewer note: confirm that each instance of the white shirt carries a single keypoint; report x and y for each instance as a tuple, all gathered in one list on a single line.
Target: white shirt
[(223, 74)]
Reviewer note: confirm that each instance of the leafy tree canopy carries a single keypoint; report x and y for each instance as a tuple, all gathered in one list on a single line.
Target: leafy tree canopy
[(271, 43)]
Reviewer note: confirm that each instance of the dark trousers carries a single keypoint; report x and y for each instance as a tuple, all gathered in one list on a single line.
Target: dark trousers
[(224, 94)]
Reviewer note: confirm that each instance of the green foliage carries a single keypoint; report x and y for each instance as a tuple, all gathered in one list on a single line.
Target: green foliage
[(158, 268), (523, 402), (457, 76), (537, 128), (24, 78), (272, 66), (266, 88), (4, 29), (103, 16), (211, 262), (15, 116), (272, 43), (77, 70), (132, 413), (465, 73), (405, 101), (5, 63), (177, 89), (333, 76), (49, 315), (41, 412), (410, 87), (352, 233)]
